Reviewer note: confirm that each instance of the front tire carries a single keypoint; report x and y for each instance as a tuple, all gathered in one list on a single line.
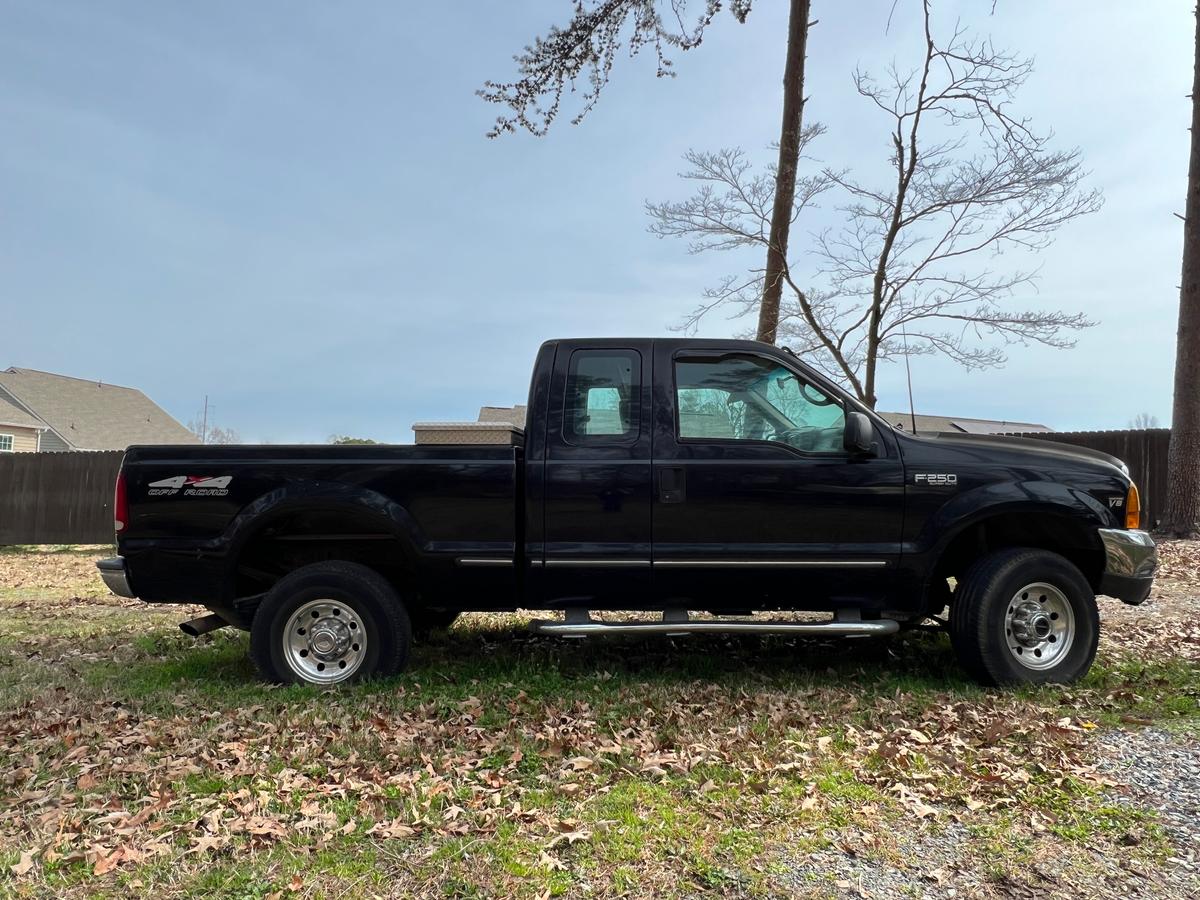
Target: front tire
[(1023, 616), (330, 623)]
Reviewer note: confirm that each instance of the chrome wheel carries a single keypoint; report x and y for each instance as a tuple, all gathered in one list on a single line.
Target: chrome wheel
[(1039, 626), (324, 641)]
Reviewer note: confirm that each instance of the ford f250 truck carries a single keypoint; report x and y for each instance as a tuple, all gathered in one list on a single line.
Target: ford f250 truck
[(675, 476)]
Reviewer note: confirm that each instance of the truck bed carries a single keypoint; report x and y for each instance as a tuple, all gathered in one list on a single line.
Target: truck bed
[(201, 508)]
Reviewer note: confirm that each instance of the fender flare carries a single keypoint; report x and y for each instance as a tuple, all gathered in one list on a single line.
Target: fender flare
[(970, 508), (319, 496)]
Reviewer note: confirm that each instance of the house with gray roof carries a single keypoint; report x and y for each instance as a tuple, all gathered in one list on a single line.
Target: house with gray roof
[(20, 432), (41, 411), (959, 424)]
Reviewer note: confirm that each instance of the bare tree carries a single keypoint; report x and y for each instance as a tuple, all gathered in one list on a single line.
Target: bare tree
[(1143, 421), (1182, 516), (908, 272), (587, 48), (347, 439), (212, 434), (732, 208), (791, 133)]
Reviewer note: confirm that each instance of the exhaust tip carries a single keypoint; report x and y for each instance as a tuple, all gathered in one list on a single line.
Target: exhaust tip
[(202, 625)]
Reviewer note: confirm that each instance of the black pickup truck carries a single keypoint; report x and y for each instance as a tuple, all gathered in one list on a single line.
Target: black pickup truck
[(724, 478)]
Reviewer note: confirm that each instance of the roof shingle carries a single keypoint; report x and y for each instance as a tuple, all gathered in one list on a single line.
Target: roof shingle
[(963, 424), (11, 414), (90, 415)]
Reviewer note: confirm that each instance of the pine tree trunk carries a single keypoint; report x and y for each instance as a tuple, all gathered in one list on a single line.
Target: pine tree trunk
[(1182, 517), (785, 175)]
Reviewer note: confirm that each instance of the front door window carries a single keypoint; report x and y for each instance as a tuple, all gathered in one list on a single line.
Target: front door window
[(751, 398)]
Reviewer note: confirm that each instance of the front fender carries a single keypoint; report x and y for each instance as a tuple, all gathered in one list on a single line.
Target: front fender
[(1035, 498)]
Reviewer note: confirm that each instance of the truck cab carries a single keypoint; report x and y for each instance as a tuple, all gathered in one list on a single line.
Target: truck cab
[(716, 471)]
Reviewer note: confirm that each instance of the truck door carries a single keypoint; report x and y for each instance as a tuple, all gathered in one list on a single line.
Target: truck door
[(597, 484), (757, 504)]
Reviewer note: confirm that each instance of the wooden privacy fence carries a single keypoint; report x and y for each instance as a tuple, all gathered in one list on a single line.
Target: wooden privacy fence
[(1144, 451), (57, 498)]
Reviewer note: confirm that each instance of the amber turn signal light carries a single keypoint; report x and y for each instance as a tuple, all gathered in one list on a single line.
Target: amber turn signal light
[(1133, 508)]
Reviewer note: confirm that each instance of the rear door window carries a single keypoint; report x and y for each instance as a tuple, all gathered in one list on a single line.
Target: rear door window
[(603, 397)]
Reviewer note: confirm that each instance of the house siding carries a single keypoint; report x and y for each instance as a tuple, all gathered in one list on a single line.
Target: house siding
[(52, 442), (25, 440)]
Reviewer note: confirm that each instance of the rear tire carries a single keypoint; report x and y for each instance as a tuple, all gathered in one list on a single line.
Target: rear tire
[(330, 623), (1023, 616)]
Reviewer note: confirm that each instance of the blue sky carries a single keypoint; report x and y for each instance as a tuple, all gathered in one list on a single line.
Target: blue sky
[(293, 209)]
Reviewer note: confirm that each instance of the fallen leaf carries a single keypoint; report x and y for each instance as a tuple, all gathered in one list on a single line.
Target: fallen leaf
[(922, 809), (107, 862), (1136, 720), (569, 837), (207, 842), (25, 865), (393, 830), (148, 810)]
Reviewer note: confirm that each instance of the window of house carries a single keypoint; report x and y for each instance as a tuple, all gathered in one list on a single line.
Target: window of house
[(752, 398), (6, 443), (602, 396)]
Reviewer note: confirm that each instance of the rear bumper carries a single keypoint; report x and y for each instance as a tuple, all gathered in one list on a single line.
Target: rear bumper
[(115, 577), (1129, 565)]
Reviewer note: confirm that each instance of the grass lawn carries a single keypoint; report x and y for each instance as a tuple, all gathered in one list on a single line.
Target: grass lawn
[(135, 761)]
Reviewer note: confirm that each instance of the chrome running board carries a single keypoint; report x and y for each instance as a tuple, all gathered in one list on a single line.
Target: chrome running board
[(579, 623)]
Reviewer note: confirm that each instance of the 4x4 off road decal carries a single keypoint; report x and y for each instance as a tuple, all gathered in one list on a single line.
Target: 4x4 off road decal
[(191, 486)]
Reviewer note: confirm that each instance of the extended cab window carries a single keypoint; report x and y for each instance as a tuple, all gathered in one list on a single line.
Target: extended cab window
[(602, 395), (751, 398)]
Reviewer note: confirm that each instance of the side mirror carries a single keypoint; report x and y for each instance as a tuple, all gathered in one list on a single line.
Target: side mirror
[(860, 436)]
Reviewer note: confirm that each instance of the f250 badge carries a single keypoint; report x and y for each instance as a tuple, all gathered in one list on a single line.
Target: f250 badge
[(191, 486), (936, 479)]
